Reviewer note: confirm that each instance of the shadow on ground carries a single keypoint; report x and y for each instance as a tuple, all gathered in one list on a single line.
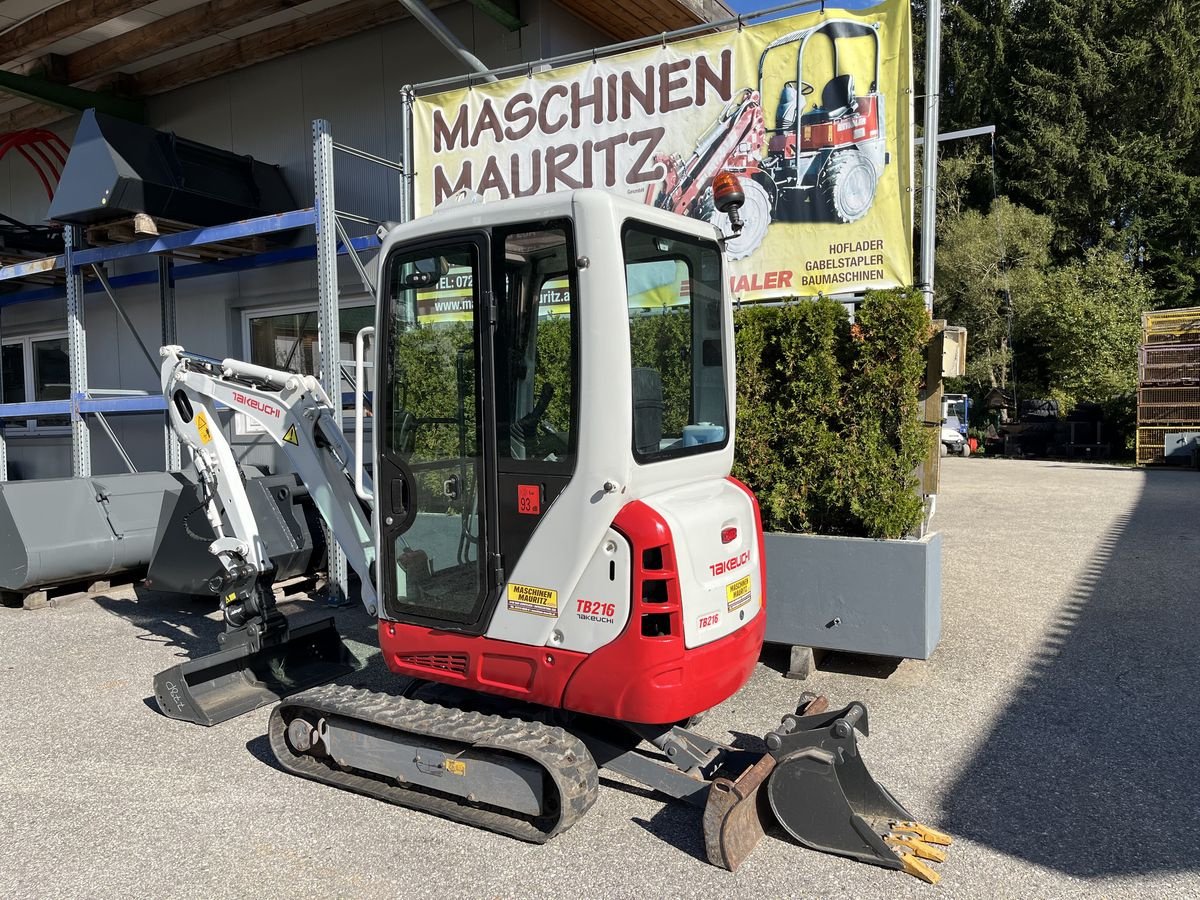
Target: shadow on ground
[(778, 657), (188, 624), (1092, 767), (180, 622)]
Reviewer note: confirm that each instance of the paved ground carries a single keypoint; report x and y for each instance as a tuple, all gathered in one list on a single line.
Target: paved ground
[(1053, 733)]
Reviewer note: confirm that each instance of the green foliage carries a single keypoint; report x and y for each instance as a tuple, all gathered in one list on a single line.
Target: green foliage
[(1097, 111), (439, 382), (1082, 337), (981, 257), (829, 427), (655, 341), (554, 370)]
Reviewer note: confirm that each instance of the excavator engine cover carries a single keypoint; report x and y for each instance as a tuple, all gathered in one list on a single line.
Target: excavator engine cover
[(252, 670)]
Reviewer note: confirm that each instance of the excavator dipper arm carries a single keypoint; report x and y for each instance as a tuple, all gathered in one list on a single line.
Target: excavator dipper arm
[(263, 657)]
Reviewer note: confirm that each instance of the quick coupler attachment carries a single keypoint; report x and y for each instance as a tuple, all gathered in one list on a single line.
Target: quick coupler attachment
[(814, 784), (256, 665)]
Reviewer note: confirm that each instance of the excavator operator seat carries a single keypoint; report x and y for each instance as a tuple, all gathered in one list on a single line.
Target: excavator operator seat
[(647, 410), (837, 99), (789, 107)]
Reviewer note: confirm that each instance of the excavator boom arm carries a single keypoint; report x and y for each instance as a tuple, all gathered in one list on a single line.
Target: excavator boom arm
[(296, 413)]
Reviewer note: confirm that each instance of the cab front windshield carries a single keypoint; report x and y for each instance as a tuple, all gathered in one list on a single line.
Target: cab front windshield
[(433, 427)]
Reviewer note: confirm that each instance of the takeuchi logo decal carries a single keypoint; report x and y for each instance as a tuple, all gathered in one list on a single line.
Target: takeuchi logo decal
[(536, 133)]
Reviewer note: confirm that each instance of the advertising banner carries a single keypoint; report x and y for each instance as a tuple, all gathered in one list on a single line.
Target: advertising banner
[(812, 112)]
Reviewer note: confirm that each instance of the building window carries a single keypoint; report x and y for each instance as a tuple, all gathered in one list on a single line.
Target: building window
[(287, 339), (13, 356), (36, 368)]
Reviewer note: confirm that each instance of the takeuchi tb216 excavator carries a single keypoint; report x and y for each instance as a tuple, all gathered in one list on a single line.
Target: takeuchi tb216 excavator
[(561, 566)]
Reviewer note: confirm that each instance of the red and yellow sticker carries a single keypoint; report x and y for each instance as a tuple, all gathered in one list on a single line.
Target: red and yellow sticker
[(738, 594), (525, 598)]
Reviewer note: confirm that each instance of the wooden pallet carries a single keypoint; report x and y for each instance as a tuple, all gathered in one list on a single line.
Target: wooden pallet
[(62, 594), (142, 226)]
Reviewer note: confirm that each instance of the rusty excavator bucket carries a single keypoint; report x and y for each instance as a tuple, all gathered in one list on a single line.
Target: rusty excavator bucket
[(813, 783)]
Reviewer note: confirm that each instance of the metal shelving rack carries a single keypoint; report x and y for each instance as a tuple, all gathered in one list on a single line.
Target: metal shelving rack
[(87, 405)]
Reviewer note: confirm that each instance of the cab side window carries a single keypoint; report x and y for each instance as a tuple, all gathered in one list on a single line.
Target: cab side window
[(534, 347)]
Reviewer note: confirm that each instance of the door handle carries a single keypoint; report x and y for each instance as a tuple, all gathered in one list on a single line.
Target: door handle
[(399, 494), (402, 496)]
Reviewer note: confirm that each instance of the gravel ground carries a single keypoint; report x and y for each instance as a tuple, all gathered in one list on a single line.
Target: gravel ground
[(1051, 734)]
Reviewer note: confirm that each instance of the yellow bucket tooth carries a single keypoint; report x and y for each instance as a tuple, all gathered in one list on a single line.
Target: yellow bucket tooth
[(916, 868), (924, 832), (917, 846)]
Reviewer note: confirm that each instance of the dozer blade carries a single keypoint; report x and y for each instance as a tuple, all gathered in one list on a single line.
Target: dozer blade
[(246, 674), (734, 815), (736, 812), (822, 794)]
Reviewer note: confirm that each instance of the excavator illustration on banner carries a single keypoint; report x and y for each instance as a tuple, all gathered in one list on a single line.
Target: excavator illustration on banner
[(822, 163), (562, 573)]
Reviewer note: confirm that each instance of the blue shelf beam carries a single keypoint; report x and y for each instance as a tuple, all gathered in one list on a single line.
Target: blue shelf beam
[(193, 270), (148, 403), (33, 410), (215, 234), (32, 267)]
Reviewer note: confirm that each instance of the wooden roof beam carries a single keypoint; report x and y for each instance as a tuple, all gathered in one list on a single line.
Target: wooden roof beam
[(168, 33), (270, 43), (31, 115), (59, 22)]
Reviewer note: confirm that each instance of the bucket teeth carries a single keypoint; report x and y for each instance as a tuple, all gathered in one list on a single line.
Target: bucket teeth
[(916, 867), (917, 846), (913, 843), (924, 832)]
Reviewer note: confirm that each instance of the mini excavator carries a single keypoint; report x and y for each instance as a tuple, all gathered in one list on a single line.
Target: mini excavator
[(562, 569)]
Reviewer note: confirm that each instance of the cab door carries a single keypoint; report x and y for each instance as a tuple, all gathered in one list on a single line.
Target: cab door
[(440, 564)]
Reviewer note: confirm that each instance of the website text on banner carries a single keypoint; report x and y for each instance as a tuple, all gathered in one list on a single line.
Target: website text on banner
[(812, 112)]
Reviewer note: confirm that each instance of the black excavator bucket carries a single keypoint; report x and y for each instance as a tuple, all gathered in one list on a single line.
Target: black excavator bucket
[(815, 785), (249, 672)]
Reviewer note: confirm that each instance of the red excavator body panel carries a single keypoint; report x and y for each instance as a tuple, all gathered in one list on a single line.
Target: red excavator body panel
[(641, 676)]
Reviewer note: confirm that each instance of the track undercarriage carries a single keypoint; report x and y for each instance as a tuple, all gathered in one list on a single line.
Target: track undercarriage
[(531, 773)]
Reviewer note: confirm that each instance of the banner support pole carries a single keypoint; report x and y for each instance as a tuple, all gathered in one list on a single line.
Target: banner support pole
[(933, 52)]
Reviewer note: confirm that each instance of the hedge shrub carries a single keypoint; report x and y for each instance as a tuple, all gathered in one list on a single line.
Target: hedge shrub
[(829, 424), (829, 427)]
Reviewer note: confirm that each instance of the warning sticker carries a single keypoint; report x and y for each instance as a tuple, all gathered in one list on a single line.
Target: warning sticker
[(290, 436), (738, 593), (538, 601), (529, 499), (455, 766), (202, 427)]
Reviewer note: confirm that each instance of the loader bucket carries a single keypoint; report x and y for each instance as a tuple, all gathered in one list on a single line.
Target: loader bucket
[(241, 677), (815, 785)]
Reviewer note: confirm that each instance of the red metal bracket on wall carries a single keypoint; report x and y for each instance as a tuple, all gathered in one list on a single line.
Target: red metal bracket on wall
[(42, 149)]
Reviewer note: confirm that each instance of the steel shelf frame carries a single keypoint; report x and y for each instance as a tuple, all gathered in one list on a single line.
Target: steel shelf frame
[(77, 259)]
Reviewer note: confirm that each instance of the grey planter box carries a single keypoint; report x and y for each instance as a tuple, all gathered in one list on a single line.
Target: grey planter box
[(855, 594)]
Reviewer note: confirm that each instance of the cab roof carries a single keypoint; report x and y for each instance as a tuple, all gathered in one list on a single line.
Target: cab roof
[(472, 212)]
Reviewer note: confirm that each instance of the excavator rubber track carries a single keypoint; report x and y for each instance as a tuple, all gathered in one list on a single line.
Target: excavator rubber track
[(571, 779)]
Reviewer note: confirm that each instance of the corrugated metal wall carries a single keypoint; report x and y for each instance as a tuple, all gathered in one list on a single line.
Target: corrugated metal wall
[(265, 111)]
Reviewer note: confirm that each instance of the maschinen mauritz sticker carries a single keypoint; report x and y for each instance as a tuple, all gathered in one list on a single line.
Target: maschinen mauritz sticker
[(738, 593), (523, 598)]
